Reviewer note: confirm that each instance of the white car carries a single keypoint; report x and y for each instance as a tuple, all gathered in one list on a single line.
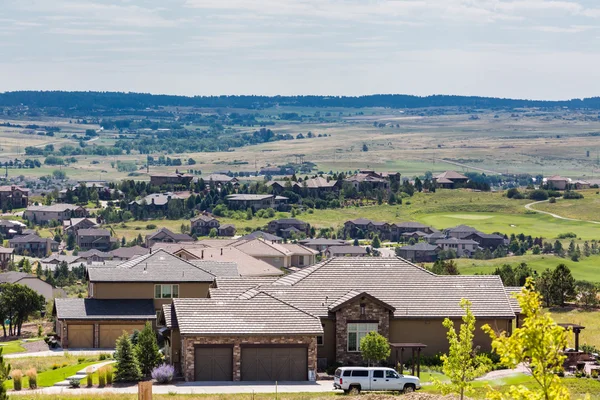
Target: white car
[(357, 379)]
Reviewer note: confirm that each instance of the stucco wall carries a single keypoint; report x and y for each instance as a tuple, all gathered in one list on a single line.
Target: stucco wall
[(115, 290)]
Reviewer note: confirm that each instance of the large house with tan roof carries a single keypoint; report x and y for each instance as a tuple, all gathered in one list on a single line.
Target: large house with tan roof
[(279, 255), (450, 180), (55, 212), (12, 196)]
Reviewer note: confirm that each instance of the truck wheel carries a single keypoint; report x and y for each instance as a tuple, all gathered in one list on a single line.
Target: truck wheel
[(409, 388), (354, 390)]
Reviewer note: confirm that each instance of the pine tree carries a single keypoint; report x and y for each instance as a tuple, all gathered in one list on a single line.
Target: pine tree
[(146, 350), (128, 368), (4, 372), (376, 242)]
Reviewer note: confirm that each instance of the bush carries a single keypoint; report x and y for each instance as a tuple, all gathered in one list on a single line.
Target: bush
[(32, 375), (109, 374), (538, 195), (567, 235), (55, 366), (104, 356), (17, 376), (89, 379), (163, 373), (80, 360), (150, 226), (552, 200), (572, 195), (101, 377), (74, 383), (511, 193)]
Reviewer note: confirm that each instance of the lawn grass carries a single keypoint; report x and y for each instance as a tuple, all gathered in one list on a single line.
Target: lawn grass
[(587, 209), (42, 364), (584, 269), (14, 346), (52, 376)]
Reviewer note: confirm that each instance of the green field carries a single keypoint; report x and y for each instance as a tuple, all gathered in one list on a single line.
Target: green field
[(590, 319), (587, 209)]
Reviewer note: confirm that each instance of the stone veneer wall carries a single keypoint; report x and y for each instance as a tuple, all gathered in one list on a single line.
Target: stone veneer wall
[(189, 342), (374, 312)]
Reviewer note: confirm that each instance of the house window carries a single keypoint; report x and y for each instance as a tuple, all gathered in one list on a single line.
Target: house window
[(301, 260), (166, 291), (357, 331), (321, 338), (158, 315)]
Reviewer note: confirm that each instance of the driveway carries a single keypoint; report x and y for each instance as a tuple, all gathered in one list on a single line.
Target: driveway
[(200, 388)]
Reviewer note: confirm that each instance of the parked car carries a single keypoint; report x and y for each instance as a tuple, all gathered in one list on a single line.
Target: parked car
[(357, 379)]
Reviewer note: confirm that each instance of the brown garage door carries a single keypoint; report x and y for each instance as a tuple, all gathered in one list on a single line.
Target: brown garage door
[(213, 364), (110, 333), (81, 336), (274, 364)]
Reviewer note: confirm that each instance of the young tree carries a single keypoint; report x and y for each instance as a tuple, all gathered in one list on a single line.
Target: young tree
[(461, 365), (71, 241), (128, 368), (374, 348), (146, 350), (539, 344), (213, 233), (376, 242), (563, 285)]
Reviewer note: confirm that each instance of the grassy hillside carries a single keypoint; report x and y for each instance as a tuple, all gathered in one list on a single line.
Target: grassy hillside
[(587, 209)]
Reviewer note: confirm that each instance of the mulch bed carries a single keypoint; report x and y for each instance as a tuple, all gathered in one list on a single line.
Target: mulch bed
[(32, 347)]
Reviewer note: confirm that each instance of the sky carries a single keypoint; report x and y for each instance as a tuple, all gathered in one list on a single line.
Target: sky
[(534, 49)]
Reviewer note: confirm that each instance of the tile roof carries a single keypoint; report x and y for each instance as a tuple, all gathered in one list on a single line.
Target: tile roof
[(217, 268), (461, 228), (410, 224), (263, 314), (299, 250), (288, 221), (31, 238), (54, 208), (159, 266), (93, 232), (422, 246), (5, 250), (169, 316), (104, 309), (129, 252), (219, 178), (454, 240), (413, 291), (214, 242), (353, 294), (318, 182), (450, 175), (228, 287), (175, 236), (13, 276), (246, 264), (360, 221), (203, 217), (322, 242), (511, 291), (261, 234), (262, 248), (94, 252), (346, 250), (249, 197), (159, 199)]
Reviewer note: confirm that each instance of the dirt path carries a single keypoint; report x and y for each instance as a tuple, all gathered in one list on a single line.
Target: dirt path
[(530, 208)]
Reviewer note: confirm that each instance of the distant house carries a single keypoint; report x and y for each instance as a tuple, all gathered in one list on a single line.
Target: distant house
[(434, 237), (227, 230), (155, 201), (285, 227), (322, 244), (6, 256), (98, 239), (94, 256), (579, 185), (263, 235), (362, 227), (72, 225), (419, 252), (278, 255), (12, 196), (56, 212), (460, 231), (170, 179), (163, 235), (33, 245), (557, 182), (450, 180), (33, 282), (317, 185), (462, 247), (221, 180), (10, 229), (368, 178), (345, 251), (254, 201), (127, 253), (201, 225), (413, 235), (487, 241), (399, 228)]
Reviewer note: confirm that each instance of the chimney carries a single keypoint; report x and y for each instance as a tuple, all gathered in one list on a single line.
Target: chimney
[(202, 255)]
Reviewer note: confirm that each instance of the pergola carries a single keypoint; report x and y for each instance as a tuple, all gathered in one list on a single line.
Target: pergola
[(576, 330), (414, 347)]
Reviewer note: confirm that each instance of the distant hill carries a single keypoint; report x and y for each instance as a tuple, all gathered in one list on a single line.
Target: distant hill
[(87, 101)]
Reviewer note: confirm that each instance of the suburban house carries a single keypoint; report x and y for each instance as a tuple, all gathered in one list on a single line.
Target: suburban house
[(12, 196), (317, 185), (462, 247), (72, 225), (419, 252), (227, 230), (557, 182), (94, 256), (579, 185), (127, 253), (398, 228), (155, 201), (33, 245), (450, 180), (254, 201), (124, 297), (460, 231), (345, 251), (246, 264), (34, 283), (401, 301), (163, 235), (434, 237), (6, 256), (263, 235), (201, 225), (367, 178), (56, 212), (279, 255), (322, 244), (221, 179), (98, 239), (285, 227), (171, 179), (362, 228), (10, 229), (487, 241)]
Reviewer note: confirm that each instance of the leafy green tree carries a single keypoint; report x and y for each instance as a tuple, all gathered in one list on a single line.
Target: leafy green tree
[(213, 233), (71, 241), (374, 348), (558, 249), (461, 365), (146, 350), (563, 285), (586, 294), (538, 344), (128, 369)]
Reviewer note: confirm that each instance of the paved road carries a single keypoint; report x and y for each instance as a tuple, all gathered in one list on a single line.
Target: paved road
[(199, 388), (528, 206)]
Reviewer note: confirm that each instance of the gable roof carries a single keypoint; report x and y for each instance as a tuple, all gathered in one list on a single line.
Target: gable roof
[(129, 252), (175, 236), (450, 175), (352, 295), (94, 252), (511, 292), (316, 183), (413, 291), (557, 178), (159, 199), (288, 221), (422, 246), (159, 266), (360, 221), (261, 234), (202, 217), (60, 207), (461, 229), (168, 315), (122, 309), (263, 314), (246, 264), (322, 242), (346, 250), (31, 238), (453, 240), (93, 232), (410, 224), (249, 197)]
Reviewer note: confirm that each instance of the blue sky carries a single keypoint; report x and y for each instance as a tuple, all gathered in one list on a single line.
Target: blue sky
[(543, 49)]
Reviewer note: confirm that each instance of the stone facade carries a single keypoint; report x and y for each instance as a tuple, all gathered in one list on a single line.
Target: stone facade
[(374, 312), (188, 343)]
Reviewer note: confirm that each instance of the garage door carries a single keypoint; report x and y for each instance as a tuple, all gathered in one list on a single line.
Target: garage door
[(213, 364), (110, 333), (274, 364), (81, 336)]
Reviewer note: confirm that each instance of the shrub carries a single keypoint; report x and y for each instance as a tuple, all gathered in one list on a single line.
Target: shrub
[(538, 194), (80, 360), (89, 379), (103, 356), (552, 200), (40, 330), (17, 376), (109, 374), (163, 373), (567, 235), (32, 375), (101, 377), (74, 383), (572, 195), (150, 226), (512, 192)]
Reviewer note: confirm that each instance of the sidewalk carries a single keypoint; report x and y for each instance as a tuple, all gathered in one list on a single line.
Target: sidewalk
[(60, 352), (197, 388), (83, 373)]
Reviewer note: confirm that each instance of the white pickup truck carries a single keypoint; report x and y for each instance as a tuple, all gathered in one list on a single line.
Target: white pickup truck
[(357, 379)]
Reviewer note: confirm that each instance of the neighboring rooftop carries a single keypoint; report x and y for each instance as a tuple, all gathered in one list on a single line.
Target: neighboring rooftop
[(82, 309)]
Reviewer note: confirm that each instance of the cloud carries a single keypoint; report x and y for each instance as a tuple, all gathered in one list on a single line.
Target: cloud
[(93, 32)]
